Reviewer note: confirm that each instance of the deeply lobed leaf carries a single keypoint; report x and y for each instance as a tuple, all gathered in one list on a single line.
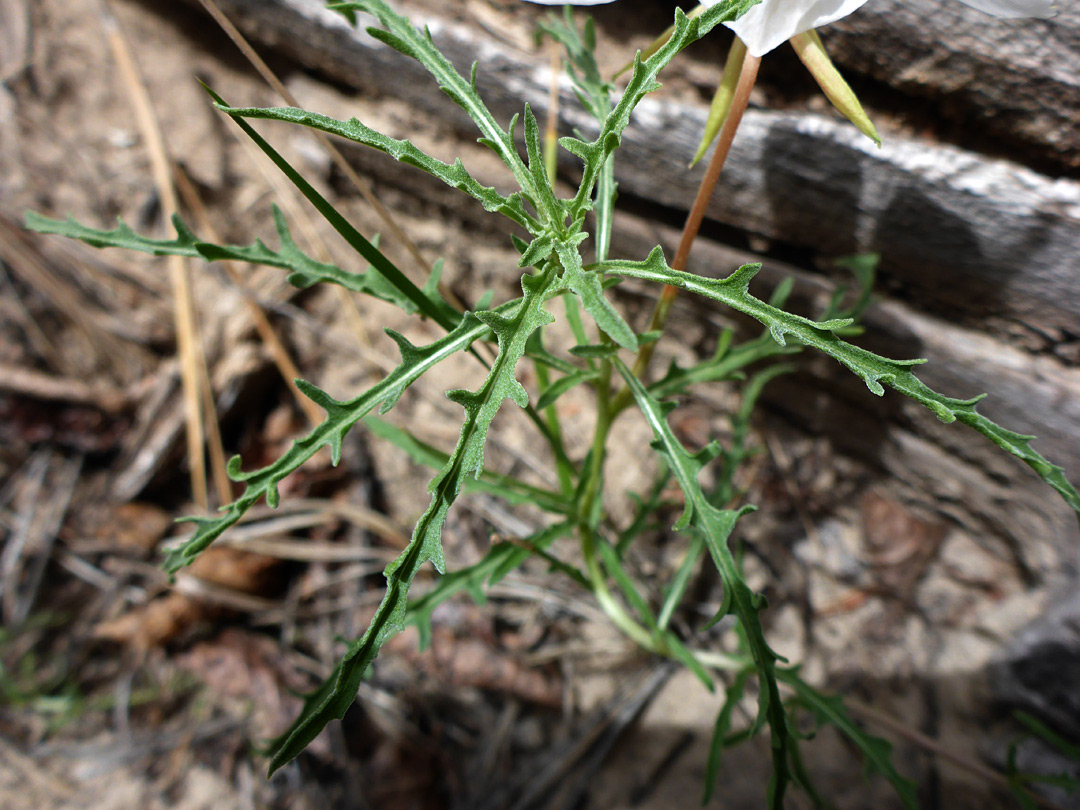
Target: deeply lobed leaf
[(830, 709), (340, 418), (304, 271), (512, 328), (715, 525), (642, 81), (453, 174), (402, 36), (873, 369)]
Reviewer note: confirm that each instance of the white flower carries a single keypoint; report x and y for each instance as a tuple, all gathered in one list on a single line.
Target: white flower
[(772, 22)]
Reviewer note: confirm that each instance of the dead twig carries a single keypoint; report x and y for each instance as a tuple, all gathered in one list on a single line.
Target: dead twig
[(10, 560), (38, 385)]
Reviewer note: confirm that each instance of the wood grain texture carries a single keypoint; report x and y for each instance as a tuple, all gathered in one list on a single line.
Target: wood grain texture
[(1018, 79)]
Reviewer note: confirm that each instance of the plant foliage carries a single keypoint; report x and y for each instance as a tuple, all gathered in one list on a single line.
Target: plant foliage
[(552, 265)]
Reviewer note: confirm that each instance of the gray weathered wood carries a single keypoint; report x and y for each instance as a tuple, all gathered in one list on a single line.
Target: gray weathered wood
[(1017, 79), (978, 238)]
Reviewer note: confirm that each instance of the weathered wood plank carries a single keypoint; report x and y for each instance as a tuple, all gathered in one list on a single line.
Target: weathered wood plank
[(1016, 79), (984, 240)]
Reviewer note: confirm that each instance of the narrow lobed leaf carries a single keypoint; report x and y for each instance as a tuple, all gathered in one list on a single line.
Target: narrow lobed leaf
[(453, 174), (587, 285), (401, 35), (873, 369), (715, 525), (512, 328), (304, 271), (642, 82), (831, 710), (341, 416)]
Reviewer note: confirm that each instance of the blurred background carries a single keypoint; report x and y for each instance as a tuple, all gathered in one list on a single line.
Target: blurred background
[(910, 565)]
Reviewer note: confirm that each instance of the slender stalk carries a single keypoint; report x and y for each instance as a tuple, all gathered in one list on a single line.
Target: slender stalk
[(739, 102), (551, 164)]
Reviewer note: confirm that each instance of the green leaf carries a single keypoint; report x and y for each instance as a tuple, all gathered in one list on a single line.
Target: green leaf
[(512, 331), (728, 366), (537, 352), (676, 588), (595, 96), (686, 31), (715, 526), (438, 310), (400, 35), (581, 66), (500, 559), (561, 386), (587, 286), (340, 418), (1048, 735), (507, 487), (732, 695), (121, 237), (551, 208), (872, 368), (454, 175), (877, 751), (304, 271)]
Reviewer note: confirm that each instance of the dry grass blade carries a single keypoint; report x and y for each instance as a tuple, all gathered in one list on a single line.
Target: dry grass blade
[(278, 352), (192, 368)]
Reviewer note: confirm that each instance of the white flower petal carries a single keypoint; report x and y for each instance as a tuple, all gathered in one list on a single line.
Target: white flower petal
[(773, 22), (1013, 8)]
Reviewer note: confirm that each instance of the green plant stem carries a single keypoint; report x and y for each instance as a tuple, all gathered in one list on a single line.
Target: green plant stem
[(563, 470), (609, 407), (611, 606), (598, 449), (739, 102)]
